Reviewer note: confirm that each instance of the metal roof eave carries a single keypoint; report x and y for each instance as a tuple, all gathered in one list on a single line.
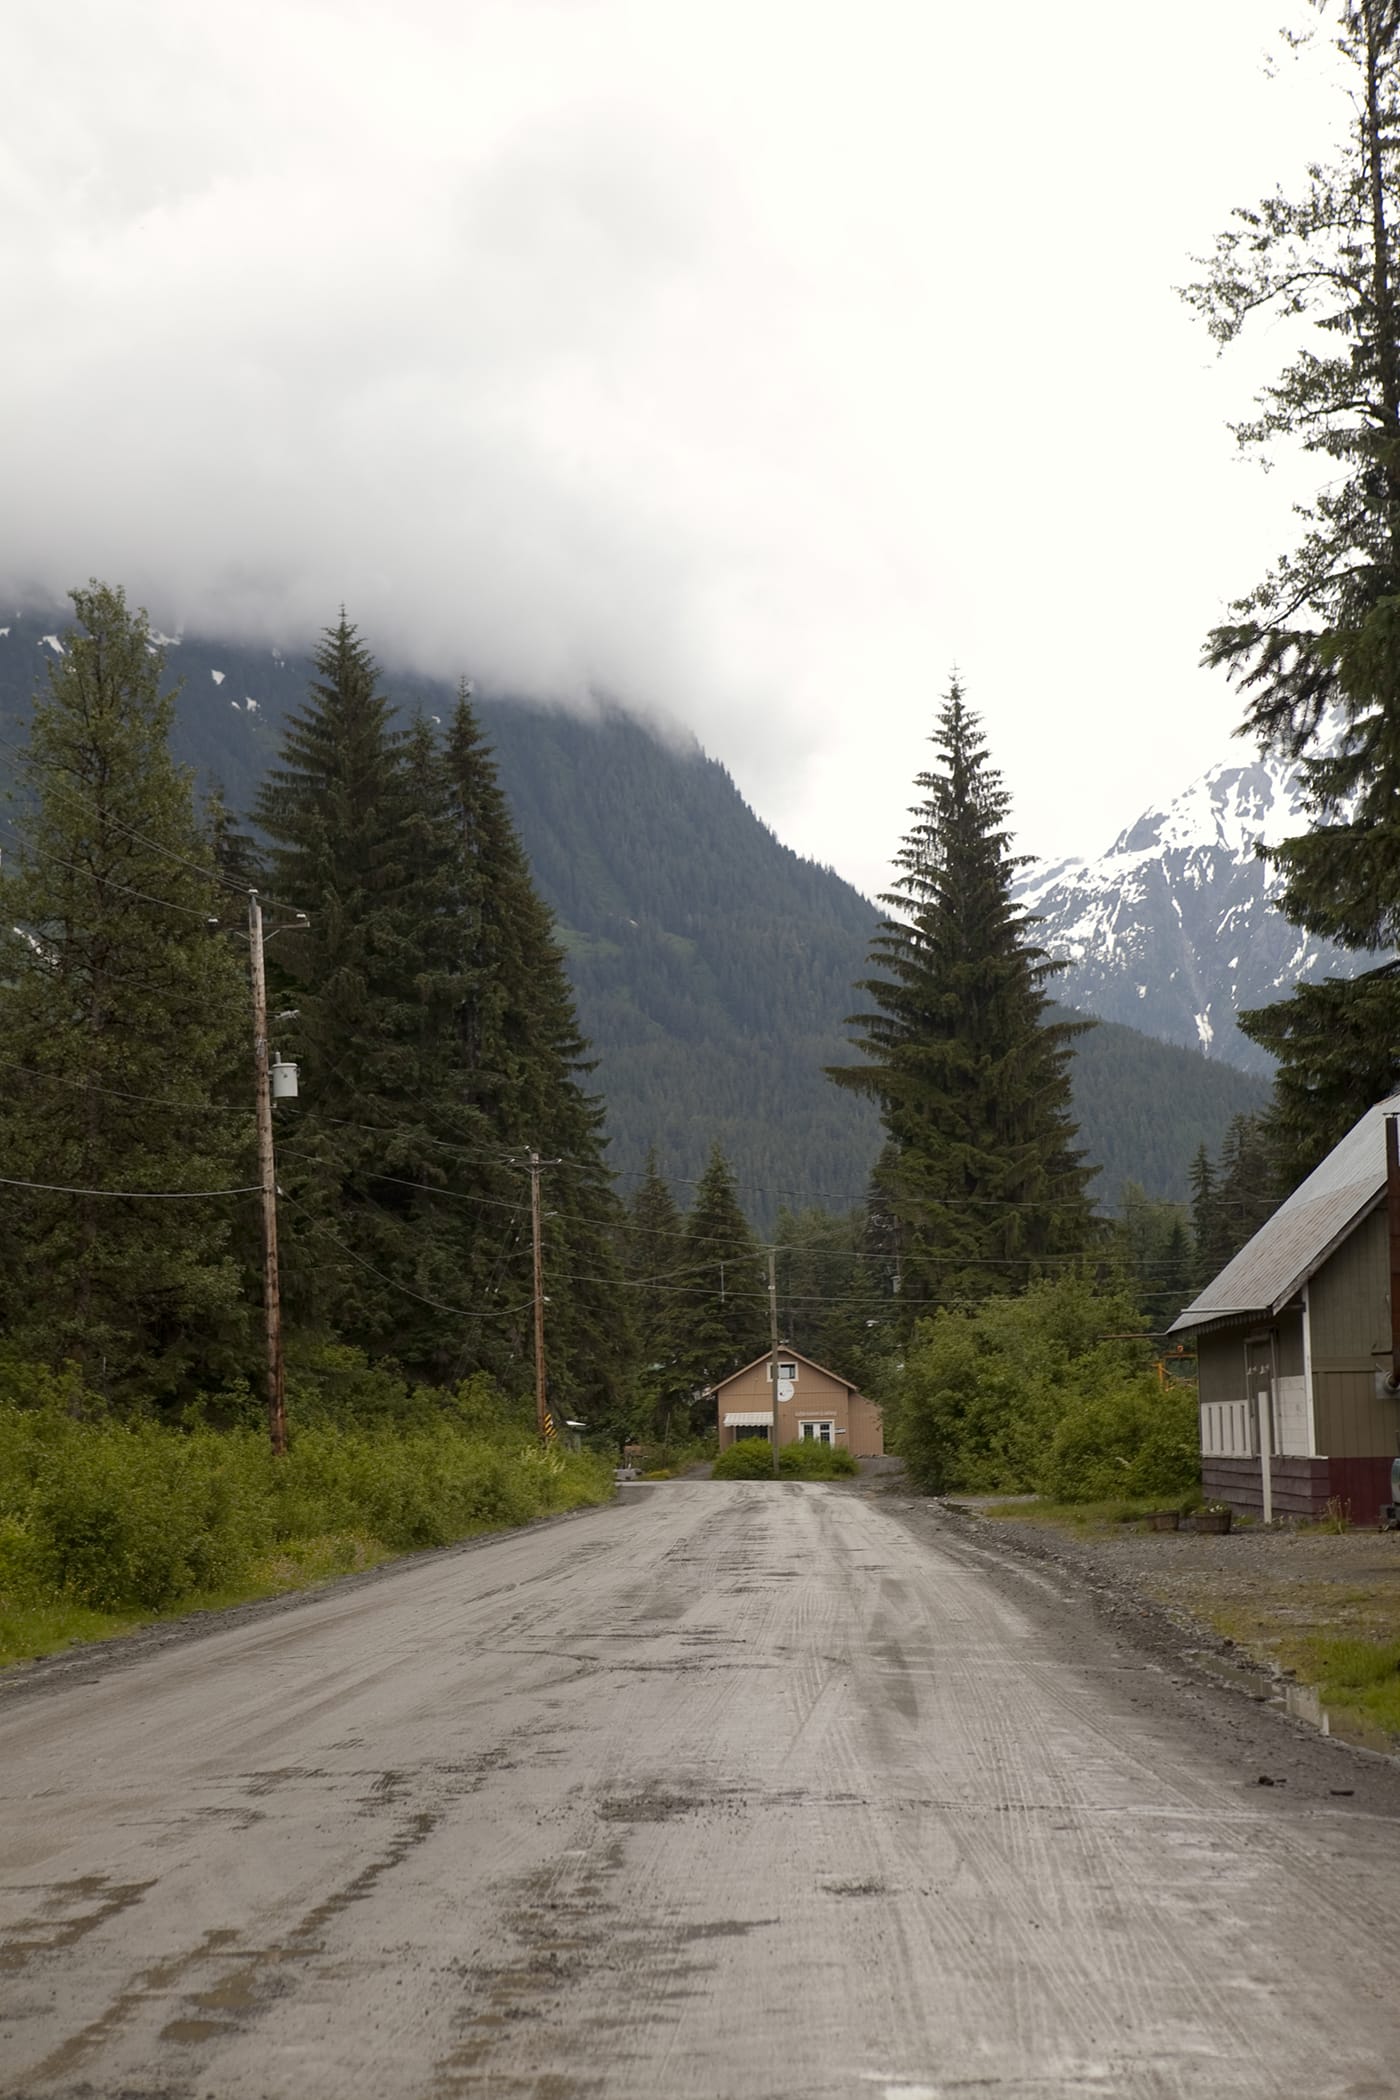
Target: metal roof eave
[(1226, 1315), (1344, 1232)]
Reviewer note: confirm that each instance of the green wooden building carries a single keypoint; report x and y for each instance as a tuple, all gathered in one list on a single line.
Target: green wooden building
[(1293, 1345)]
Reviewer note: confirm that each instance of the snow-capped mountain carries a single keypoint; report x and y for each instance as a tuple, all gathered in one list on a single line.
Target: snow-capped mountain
[(1173, 930)]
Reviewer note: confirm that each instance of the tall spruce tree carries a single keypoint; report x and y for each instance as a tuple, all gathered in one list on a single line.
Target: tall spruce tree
[(654, 1256), (723, 1306), (1315, 646), (822, 1295), (342, 821), (525, 1066), (971, 1079), (124, 1026), (439, 1043)]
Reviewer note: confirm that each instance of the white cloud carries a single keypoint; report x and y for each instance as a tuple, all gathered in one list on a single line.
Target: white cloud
[(753, 361)]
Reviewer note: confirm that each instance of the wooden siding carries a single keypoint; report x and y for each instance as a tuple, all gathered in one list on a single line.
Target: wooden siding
[(1302, 1487), (1349, 1301), (1349, 1314), (1290, 1342), (1353, 1420), (1291, 1417), (1220, 1366), (817, 1396), (867, 1438)]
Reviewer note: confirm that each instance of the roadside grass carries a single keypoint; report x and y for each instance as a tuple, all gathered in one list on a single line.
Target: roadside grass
[(1356, 1678), (1340, 1637), (1089, 1518), (110, 1525), (30, 1631)]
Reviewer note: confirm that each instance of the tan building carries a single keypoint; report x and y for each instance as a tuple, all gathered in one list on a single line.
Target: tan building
[(812, 1403)]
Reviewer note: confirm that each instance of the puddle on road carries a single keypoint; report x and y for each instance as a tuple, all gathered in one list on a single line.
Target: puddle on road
[(1302, 1702)]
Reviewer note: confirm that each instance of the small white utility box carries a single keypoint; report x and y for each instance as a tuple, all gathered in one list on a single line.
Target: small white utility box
[(284, 1080)]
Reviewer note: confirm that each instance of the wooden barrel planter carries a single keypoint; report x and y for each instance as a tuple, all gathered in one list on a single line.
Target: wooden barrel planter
[(1164, 1520), (1214, 1520)]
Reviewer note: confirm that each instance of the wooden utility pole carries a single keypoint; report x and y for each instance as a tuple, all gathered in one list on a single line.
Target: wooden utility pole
[(541, 1410), (1392, 1205), (267, 1179), (773, 1342)]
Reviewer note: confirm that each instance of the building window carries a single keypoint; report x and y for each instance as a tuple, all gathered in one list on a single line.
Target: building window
[(787, 1373), (817, 1432), (752, 1429)]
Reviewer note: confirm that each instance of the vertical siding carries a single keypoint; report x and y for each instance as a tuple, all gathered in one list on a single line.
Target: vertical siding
[(1349, 1315), (1349, 1300), (1353, 1421), (1290, 1342), (867, 1438), (1220, 1366)]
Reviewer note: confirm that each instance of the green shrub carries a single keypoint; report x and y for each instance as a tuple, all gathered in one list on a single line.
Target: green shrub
[(1030, 1392), (113, 1517), (1134, 1440), (751, 1458), (809, 1460)]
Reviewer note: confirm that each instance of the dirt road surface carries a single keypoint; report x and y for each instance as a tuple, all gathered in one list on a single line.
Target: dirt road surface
[(730, 1792)]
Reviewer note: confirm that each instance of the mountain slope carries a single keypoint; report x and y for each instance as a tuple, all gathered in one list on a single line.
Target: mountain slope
[(1173, 930), (712, 966)]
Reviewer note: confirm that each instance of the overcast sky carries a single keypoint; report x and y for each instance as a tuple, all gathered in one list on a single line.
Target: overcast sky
[(751, 360)]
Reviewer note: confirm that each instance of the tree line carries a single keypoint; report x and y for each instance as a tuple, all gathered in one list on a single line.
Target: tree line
[(413, 977)]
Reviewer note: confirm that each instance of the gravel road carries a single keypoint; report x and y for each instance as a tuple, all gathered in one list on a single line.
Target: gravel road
[(728, 1792)]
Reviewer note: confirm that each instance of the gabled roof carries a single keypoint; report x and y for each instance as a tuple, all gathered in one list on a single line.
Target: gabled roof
[(787, 1352), (1295, 1242)]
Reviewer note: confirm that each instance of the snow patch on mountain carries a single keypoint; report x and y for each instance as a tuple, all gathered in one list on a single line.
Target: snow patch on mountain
[(1174, 929)]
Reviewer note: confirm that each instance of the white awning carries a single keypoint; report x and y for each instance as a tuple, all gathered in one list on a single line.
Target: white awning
[(753, 1418)]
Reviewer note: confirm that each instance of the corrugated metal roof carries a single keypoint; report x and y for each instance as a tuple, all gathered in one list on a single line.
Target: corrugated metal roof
[(1304, 1230)]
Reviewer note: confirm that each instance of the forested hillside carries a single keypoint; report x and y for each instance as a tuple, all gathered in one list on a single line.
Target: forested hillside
[(713, 968)]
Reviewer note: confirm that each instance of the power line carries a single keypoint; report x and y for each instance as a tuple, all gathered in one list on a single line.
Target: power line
[(109, 882), (438, 1305), (210, 873), (90, 1086), (52, 1188)]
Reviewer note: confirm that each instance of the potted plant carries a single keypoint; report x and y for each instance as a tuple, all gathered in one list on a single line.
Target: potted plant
[(1214, 1516)]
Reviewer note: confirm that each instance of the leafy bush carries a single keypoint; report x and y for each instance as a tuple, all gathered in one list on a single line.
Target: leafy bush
[(809, 1460), (751, 1458), (1033, 1393), (1136, 1440), (113, 1516)]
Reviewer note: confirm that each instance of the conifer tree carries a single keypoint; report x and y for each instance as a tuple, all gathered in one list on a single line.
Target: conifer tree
[(1207, 1239), (1338, 1049), (724, 1307), (1315, 645), (123, 1020), (440, 1046), (338, 811), (525, 1066), (971, 1079), (821, 1293), (654, 1274)]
